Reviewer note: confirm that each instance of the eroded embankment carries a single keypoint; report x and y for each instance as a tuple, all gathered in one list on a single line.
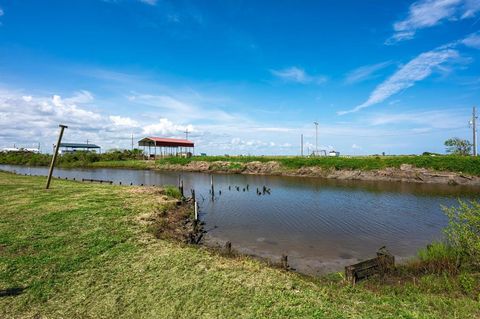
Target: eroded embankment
[(172, 218), (405, 173)]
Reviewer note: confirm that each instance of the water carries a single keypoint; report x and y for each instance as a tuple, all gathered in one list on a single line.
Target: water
[(322, 225)]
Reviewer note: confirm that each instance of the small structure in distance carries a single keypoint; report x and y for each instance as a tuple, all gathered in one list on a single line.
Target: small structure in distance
[(75, 147), (21, 149), (154, 147)]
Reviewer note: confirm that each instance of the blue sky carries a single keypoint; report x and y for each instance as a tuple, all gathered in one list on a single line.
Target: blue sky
[(245, 77)]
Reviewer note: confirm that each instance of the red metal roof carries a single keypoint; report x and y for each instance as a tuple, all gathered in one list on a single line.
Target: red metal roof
[(162, 141)]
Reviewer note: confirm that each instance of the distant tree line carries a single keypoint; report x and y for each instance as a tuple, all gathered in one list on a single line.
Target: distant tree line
[(78, 158)]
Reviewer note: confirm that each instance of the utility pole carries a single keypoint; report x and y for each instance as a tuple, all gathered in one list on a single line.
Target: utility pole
[(301, 147), (186, 133), (55, 153), (316, 137), (132, 141), (474, 130)]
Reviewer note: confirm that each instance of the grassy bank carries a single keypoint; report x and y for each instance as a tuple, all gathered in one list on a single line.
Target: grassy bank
[(464, 164), (82, 250), (451, 163)]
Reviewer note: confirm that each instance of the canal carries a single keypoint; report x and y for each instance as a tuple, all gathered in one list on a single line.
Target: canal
[(322, 225)]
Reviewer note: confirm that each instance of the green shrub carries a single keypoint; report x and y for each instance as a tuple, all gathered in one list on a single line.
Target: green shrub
[(463, 231)]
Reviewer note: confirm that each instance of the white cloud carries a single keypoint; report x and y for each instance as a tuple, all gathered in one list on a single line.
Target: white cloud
[(473, 41), (428, 13), (365, 72), (298, 75), (30, 119), (149, 2), (166, 127), (416, 70), (174, 107), (356, 147), (437, 119), (122, 121)]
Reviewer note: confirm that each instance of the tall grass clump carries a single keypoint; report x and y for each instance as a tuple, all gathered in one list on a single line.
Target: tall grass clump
[(437, 258), (172, 191)]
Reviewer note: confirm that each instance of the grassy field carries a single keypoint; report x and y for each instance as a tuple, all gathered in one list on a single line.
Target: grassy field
[(81, 251)]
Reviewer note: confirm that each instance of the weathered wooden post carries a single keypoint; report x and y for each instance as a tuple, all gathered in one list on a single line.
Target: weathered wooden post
[(193, 195), (228, 248), (181, 187), (284, 262), (212, 188), (55, 154)]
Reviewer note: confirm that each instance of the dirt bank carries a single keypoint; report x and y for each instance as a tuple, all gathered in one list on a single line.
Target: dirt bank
[(405, 173)]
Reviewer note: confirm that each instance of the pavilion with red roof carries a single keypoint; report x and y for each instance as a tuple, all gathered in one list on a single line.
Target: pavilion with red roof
[(164, 147)]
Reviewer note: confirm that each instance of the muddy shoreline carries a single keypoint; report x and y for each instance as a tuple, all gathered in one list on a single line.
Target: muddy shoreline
[(405, 173)]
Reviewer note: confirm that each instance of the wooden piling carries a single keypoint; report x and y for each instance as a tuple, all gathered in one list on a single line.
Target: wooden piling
[(284, 262), (211, 184), (228, 248), (180, 188)]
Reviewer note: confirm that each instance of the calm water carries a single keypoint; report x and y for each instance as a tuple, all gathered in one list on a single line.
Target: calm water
[(322, 225)]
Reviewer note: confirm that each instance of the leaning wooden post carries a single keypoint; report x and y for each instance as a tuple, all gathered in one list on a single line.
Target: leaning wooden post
[(55, 154)]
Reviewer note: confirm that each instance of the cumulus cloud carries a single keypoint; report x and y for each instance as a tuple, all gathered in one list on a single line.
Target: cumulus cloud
[(166, 127), (428, 13), (298, 75), (29, 119), (123, 121)]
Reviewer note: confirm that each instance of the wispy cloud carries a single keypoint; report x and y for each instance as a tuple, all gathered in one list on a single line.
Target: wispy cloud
[(435, 119), (365, 72), (416, 70), (298, 75), (473, 41), (149, 2), (428, 13)]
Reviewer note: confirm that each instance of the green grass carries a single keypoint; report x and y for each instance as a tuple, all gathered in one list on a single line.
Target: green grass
[(451, 163), (464, 164), (82, 250)]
